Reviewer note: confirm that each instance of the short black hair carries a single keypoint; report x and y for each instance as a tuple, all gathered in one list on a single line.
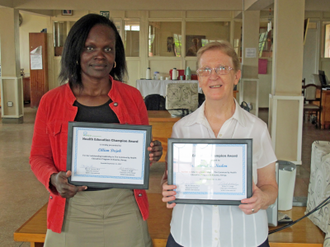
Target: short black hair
[(75, 43)]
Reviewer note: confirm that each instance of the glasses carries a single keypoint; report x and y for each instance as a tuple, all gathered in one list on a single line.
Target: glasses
[(221, 70)]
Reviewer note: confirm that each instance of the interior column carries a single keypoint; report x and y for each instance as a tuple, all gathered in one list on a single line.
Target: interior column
[(286, 102), (250, 47), (12, 104)]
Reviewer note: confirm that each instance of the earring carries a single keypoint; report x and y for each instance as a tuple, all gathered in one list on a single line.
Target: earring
[(114, 64), (77, 62)]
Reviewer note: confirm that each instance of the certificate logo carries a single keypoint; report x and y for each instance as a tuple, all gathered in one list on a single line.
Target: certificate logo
[(86, 134)]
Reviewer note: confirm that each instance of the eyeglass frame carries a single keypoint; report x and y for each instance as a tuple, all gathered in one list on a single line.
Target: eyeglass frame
[(216, 70)]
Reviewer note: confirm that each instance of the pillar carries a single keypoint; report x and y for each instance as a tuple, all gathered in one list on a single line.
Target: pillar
[(12, 104), (249, 82), (286, 102)]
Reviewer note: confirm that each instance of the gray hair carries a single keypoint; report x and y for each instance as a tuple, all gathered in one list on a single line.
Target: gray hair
[(223, 46)]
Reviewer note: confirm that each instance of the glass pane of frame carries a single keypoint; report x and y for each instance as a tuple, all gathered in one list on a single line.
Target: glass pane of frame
[(132, 38), (199, 34), (164, 39)]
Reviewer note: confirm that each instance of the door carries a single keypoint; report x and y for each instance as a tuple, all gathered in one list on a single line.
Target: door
[(38, 67)]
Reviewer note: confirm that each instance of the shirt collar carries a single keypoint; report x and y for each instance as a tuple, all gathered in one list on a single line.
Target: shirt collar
[(199, 117), (239, 115)]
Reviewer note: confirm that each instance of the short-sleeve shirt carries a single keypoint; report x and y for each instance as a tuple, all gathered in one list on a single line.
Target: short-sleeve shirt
[(223, 226)]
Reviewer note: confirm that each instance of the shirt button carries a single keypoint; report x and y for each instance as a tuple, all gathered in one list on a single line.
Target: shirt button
[(140, 195), (220, 135), (115, 104), (51, 197)]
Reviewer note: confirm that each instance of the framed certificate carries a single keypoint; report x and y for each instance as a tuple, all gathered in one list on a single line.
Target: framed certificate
[(210, 171), (104, 155)]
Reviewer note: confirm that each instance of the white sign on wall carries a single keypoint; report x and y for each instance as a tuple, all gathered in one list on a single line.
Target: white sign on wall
[(250, 52), (36, 58)]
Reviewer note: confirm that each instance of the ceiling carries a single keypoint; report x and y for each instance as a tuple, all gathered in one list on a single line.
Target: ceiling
[(233, 5), (310, 5)]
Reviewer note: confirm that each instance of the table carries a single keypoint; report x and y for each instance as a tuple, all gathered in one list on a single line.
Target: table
[(302, 234), (147, 87), (162, 123), (34, 229)]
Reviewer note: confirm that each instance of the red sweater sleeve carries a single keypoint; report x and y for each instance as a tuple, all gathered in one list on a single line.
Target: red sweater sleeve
[(41, 157)]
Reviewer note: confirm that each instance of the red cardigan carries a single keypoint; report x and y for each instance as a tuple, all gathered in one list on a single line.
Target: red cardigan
[(49, 143)]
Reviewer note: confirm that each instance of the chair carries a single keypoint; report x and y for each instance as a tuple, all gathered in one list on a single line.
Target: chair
[(319, 187), (201, 99), (155, 102), (245, 106), (313, 101)]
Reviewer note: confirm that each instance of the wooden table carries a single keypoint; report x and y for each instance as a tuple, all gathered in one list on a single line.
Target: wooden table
[(302, 234), (33, 230), (162, 123)]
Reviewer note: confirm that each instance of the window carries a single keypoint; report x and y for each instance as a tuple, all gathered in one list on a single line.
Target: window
[(265, 40), (132, 38), (238, 38), (327, 41), (60, 30), (199, 34), (164, 39)]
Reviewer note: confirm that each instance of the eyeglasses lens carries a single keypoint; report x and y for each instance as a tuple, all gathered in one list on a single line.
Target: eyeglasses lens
[(222, 70)]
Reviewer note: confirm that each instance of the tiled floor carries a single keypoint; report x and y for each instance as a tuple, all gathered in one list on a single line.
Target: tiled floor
[(21, 194)]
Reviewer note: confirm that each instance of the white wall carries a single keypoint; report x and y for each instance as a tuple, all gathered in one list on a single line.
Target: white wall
[(137, 66), (322, 63), (311, 52)]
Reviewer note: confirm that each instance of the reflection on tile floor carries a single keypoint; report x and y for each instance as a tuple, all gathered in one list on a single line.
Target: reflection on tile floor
[(21, 194)]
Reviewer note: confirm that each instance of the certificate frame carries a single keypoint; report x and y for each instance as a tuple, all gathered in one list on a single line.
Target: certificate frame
[(245, 144), (125, 179)]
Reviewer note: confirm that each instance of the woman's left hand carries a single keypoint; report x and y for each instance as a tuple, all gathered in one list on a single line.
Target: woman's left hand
[(253, 204), (264, 194), (155, 151)]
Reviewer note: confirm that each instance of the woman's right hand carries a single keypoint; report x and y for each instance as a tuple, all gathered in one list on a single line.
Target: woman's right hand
[(61, 183), (168, 194)]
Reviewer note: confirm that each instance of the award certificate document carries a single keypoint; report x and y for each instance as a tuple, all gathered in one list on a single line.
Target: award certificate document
[(210, 171), (108, 155)]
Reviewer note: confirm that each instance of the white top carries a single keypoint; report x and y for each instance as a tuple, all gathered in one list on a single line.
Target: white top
[(147, 87), (223, 226)]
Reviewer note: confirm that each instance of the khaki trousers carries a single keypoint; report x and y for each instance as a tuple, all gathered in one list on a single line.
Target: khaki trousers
[(99, 219)]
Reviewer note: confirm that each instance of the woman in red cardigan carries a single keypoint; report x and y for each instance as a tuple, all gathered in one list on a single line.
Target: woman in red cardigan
[(93, 62)]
